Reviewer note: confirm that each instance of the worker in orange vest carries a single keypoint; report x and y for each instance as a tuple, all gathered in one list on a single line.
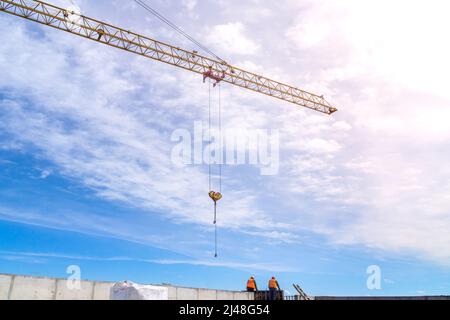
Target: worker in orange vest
[(251, 285), (273, 288)]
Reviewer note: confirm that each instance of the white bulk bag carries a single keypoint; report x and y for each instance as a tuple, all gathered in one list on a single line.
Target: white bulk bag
[(128, 290)]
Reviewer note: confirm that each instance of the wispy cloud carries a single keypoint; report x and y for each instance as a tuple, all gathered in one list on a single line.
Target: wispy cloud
[(32, 257)]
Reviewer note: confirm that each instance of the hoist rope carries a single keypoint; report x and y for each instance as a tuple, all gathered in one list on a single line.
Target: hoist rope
[(209, 133), (144, 5), (215, 240), (221, 141)]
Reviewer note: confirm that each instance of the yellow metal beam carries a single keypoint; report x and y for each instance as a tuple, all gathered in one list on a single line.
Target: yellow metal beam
[(105, 33)]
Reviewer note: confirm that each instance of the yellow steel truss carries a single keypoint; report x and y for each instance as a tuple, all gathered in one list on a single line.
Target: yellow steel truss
[(102, 32)]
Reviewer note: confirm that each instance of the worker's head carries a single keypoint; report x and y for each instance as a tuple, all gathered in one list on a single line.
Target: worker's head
[(252, 277), (273, 278)]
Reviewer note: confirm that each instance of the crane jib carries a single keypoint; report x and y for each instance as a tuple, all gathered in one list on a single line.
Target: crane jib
[(105, 33)]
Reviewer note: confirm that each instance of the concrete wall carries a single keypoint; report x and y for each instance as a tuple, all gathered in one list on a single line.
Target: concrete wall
[(5, 284), (15, 287), (180, 293)]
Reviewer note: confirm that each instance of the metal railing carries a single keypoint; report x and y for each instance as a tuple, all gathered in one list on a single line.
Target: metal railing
[(266, 295)]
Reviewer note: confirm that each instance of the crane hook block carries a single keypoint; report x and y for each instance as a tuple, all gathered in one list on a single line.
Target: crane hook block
[(215, 196)]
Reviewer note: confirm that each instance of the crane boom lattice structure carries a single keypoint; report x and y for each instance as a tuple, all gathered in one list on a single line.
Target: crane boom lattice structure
[(74, 23)]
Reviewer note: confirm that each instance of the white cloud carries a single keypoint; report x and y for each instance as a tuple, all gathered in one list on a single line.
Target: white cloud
[(190, 4), (232, 38), (318, 145), (391, 163)]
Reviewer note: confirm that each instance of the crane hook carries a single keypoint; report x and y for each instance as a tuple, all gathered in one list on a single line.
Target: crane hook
[(215, 196)]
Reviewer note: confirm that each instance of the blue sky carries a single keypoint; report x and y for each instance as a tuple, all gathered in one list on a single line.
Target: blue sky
[(86, 176)]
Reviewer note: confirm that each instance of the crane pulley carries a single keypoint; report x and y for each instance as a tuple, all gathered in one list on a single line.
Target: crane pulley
[(210, 74)]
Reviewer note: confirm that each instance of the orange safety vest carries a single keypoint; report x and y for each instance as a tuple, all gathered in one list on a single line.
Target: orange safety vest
[(251, 284), (273, 284)]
